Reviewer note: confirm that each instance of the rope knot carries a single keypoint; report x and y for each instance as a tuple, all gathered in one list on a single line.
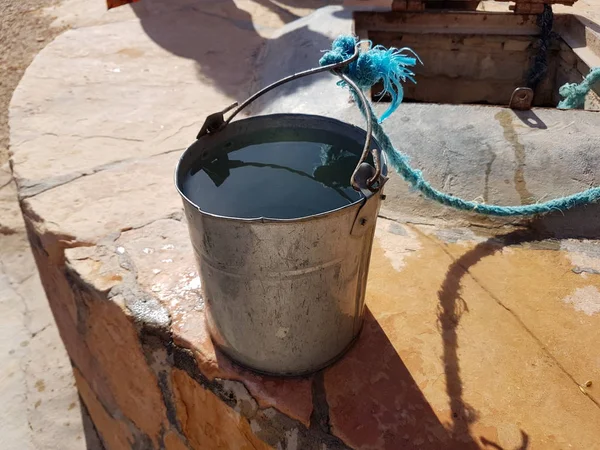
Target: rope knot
[(331, 57), (342, 48)]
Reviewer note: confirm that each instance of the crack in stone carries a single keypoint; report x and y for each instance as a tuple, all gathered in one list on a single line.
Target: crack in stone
[(402, 222), (78, 136), (26, 313), (580, 270), (32, 274), (269, 424), (320, 414), (176, 216), (195, 123), (101, 136), (506, 225), (33, 190), (88, 83), (167, 393), (509, 226), (184, 359), (488, 171), (35, 333), (7, 183)]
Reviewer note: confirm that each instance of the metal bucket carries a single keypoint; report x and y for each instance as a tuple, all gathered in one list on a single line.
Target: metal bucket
[(284, 296)]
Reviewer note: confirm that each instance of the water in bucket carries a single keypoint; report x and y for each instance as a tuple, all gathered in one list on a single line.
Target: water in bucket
[(282, 179), (282, 296)]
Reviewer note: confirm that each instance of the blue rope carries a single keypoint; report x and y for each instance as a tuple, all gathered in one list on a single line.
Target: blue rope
[(390, 66), (575, 93)]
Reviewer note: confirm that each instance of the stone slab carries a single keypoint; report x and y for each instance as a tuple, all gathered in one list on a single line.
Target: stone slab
[(477, 334), (436, 364), (129, 89)]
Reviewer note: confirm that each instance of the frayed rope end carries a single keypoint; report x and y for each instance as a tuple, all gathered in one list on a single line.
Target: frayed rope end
[(376, 64), (390, 66), (574, 94)]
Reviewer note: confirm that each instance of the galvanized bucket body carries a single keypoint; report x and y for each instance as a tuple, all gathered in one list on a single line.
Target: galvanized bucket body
[(286, 296)]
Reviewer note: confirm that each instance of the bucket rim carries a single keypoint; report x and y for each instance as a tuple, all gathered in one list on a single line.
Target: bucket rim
[(360, 201)]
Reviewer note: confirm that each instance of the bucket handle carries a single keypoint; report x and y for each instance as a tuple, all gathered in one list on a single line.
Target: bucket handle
[(364, 176)]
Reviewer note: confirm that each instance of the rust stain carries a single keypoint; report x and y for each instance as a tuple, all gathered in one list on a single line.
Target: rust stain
[(488, 171), (40, 385), (208, 422), (131, 52), (504, 118), (115, 3)]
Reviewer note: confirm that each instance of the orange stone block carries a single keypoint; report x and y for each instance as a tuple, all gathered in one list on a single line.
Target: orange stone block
[(207, 421), (114, 433), (174, 442), (447, 357), (113, 342)]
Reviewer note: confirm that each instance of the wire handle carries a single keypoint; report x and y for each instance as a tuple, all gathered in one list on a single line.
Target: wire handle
[(216, 121)]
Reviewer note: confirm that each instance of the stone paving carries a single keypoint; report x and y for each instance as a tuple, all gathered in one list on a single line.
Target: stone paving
[(479, 334), (42, 408)]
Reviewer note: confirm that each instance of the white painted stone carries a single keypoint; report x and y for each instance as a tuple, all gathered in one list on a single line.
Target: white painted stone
[(585, 300)]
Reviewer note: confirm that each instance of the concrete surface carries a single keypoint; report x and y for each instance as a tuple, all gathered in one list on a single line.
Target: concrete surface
[(479, 334), (521, 157), (42, 409)]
